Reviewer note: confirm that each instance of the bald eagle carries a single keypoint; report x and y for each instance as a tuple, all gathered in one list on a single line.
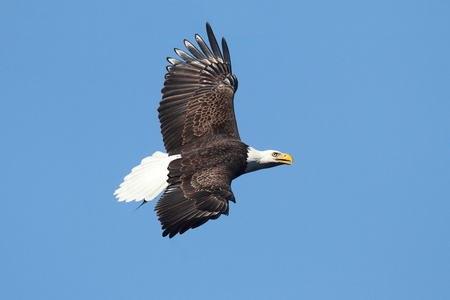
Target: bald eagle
[(200, 134)]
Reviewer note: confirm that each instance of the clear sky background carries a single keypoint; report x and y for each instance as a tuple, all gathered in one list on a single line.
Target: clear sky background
[(357, 91)]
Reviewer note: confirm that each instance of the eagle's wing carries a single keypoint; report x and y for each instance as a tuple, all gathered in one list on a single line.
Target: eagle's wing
[(200, 185), (177, 213), (198, 95)]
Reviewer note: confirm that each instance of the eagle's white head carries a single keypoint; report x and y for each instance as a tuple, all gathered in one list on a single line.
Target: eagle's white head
[(257, 160)]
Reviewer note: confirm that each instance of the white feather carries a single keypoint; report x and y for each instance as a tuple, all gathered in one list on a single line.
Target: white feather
[(147, 180)]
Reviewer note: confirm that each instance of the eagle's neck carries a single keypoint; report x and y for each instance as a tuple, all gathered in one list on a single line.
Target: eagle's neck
[(257, 160)]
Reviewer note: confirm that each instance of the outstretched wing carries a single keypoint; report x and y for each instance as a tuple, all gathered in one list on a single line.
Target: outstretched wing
[(198, 95)]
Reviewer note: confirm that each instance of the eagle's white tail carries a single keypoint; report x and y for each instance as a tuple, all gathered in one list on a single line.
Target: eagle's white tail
[(147, 180)]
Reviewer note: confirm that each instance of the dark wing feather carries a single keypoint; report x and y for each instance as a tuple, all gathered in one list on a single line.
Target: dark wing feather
[(177, 213), (198, 95), (214, 46)]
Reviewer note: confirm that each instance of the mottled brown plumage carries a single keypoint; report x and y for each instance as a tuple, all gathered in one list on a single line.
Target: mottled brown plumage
[(198, 95)]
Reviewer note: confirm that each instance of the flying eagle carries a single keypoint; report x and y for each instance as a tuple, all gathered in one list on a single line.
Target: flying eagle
[(200, 134)]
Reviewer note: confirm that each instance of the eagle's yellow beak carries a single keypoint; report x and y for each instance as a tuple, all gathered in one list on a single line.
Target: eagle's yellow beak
[(285, 159)]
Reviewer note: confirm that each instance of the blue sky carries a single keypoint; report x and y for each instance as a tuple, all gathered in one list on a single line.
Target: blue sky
[(357, 91)]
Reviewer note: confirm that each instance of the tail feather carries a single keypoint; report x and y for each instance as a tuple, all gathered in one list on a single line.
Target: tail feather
[(147, 180)]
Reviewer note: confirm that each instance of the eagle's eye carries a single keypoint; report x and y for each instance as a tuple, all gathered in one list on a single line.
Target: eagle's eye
[(275, 154)]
